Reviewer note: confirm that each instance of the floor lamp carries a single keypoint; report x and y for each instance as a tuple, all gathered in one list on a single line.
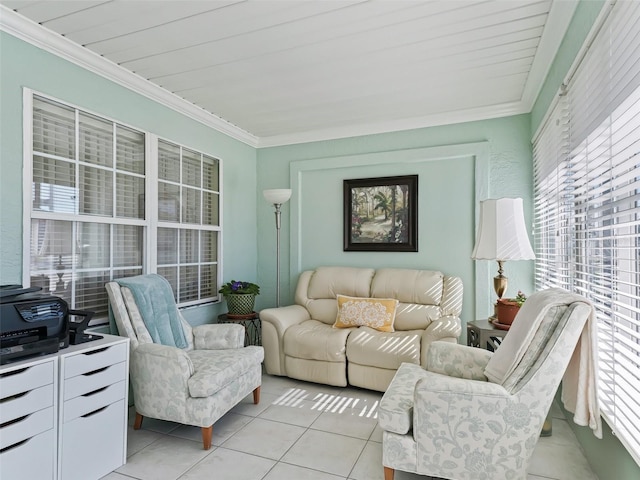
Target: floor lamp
[(277, 197)]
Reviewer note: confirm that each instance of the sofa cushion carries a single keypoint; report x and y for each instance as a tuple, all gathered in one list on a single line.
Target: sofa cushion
[(215, 369), (366, 346), (411, 316), (377, 313), (328, 282), (423, 287), (314, 340)]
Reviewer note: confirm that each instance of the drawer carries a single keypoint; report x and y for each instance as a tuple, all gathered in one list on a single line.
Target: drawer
[(94, 359), (93, 380), (30, 459), (93, 445), (26, 427), (25, 403), (25, 379), (92, 401)]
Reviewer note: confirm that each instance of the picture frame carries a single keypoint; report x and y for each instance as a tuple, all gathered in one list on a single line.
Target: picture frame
[(381, 214)]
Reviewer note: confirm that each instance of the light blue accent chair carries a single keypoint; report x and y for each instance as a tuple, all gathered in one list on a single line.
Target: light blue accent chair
[(195, 385)]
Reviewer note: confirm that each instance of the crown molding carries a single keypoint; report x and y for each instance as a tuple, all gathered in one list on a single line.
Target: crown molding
[(560, 15), (439, 119), (41, 37)]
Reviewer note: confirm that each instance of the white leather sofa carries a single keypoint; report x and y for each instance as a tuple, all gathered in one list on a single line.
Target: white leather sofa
[(300, 341)]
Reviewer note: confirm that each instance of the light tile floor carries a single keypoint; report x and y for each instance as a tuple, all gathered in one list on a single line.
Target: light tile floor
[(303, 431)]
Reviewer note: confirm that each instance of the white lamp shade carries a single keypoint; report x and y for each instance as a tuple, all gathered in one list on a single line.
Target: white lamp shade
[(502, 234), (277, 195)]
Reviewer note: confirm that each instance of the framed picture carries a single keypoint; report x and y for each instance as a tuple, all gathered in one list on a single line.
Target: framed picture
[(381, 214)]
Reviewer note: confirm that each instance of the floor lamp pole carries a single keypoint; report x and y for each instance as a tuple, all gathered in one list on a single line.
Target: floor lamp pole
[(278, 224), (277, 197)]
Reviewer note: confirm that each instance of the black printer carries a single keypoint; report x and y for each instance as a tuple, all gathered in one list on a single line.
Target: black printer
[(31, 323)]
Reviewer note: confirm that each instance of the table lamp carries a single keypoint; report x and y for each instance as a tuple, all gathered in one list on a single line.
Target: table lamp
[(502, 236)]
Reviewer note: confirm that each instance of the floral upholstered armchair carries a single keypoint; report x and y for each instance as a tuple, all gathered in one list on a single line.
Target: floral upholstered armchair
[(474, 414), (190, 376)]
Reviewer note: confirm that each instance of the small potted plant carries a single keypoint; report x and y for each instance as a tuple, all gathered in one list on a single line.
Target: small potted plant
[(508, 308), (240, 297)]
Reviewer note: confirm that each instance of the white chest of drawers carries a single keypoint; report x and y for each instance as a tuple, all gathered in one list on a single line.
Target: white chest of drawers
[(64, 415), (28, 411)]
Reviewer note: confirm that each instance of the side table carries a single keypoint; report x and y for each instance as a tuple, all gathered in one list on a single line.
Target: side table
[(252, 326), (483, 334)]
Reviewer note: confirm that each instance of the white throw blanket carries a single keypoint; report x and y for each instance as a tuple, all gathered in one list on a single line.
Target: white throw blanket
[(579, 384)]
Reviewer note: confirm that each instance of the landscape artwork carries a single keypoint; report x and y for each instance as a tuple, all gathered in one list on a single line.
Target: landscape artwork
[(380, 214)]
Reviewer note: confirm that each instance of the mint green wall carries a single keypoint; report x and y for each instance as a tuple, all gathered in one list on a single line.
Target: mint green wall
[(23, 65), (450, 182), (608, 457)]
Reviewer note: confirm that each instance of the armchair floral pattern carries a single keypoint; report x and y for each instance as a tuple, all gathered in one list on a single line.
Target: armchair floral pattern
[(449, 421), (193, 386)]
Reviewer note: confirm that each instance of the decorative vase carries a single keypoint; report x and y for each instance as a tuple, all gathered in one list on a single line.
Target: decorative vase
[(240, 303), (506, 311)]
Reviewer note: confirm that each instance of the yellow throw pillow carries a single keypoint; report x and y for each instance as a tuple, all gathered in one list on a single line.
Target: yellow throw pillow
[(377, 313)]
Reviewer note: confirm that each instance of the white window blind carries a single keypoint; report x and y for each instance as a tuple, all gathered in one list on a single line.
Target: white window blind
[(587, 207), (87, 178), (188, 221), (91, 218)]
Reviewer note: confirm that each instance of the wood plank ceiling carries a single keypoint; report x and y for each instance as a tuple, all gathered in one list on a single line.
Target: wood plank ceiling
[(294, 70)]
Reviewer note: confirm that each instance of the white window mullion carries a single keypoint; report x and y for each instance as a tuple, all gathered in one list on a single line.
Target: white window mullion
[(27, 189), (151, 206)]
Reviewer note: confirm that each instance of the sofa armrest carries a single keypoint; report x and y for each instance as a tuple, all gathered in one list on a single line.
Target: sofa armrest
[(218, 336), (457, 360), (276, 321), (447, 328)]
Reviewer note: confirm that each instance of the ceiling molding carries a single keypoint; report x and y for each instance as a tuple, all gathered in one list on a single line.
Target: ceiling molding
[(558, 20), (448, 118), (41, 37)]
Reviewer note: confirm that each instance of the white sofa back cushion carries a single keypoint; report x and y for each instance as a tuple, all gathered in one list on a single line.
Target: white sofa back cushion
[(408, 286), (319, 296), (419, 293)]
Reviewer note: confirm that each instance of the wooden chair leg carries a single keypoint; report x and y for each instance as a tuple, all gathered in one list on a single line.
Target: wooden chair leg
[(137, 424), (388, 473), (256, 396), (207, 432)]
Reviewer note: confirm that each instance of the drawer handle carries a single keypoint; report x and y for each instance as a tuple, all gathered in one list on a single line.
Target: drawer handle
[(13, 397), (95, 391), (99, 350), (15, 445), (14, 372), (88, 374), (15, 420), (87, 415)]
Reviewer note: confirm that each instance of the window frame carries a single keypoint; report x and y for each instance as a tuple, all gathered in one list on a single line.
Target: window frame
[(149, 223)]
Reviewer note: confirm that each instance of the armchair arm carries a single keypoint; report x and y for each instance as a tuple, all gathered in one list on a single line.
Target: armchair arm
[(457, 360), (276, 321), (218, 336), (159, 376), (447, 328)]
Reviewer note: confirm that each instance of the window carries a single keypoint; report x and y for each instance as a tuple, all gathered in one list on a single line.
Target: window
[(188, 221), (587, 207), (90, 213)]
